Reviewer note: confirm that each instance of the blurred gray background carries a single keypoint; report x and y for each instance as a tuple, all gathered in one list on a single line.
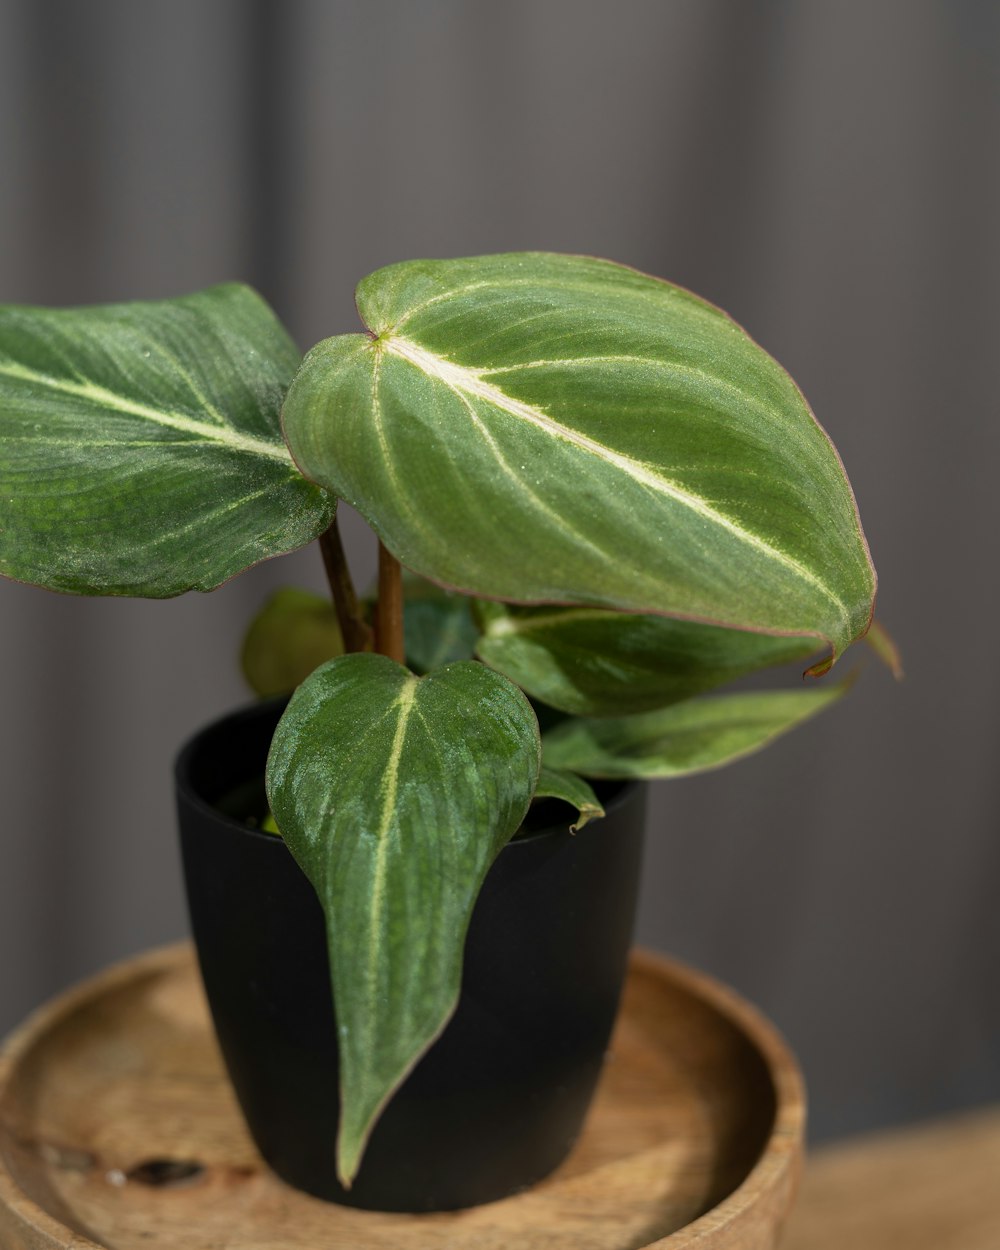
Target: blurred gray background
[(827, 172)]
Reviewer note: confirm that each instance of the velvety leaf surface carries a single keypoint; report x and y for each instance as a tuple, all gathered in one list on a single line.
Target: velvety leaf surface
[(395, 794), (294, 632), (592, 662), (684, 738), (556, 783), (140, 445), (560, 429)]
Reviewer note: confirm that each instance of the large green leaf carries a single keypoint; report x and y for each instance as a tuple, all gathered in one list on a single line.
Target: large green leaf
[(395, 794), (560, 429), (592, 662), (140, 445), (684, 738)]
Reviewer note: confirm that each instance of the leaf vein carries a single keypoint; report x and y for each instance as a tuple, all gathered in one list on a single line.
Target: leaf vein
[(405, 704), (470, 382), (91, 392)]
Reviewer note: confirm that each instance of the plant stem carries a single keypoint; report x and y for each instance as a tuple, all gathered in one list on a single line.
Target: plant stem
[(353, 626), (389, 609)]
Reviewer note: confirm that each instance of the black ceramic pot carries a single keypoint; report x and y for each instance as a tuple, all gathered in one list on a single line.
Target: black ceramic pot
[(499, 1099)]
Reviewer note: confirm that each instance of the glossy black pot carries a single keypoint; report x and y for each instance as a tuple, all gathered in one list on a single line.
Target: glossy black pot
[(499, 1099)]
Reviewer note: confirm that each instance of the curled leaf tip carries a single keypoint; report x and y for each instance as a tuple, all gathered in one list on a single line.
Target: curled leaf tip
[(587, 814), (559, 784), (821, 667)]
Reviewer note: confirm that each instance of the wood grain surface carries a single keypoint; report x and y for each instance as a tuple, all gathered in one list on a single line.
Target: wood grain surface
[(118, 1130), (933, 1187)]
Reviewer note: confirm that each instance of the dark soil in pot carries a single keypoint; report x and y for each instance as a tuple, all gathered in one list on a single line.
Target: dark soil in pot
[(498, 1101)]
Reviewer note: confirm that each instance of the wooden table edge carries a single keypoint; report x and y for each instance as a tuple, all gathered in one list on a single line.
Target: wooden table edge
[(769, 1187)]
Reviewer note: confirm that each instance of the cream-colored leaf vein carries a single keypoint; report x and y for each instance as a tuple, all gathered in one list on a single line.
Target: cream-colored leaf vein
[(675, 368), (651, 291), (440, 297), (175, 367), (415, 519), (390, 791), (206, 520), (522, 483), (93, 393), (470, 382)]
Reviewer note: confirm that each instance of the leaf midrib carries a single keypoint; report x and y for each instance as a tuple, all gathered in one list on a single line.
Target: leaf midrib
[(466, 382), (405, 704), (91, 392)]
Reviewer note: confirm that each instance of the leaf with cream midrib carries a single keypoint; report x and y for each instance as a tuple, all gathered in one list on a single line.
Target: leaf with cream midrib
[(141, 449), (395, 793), (551, 429), (471, 387)]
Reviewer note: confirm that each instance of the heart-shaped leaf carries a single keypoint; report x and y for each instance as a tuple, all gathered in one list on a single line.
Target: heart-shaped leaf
[(685, 738), (294, 632), (140, 445), (560, 429), (592, 662), (557, 783), (395, 794)]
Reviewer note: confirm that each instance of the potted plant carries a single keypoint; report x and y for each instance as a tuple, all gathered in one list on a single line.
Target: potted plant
[(610, 499)]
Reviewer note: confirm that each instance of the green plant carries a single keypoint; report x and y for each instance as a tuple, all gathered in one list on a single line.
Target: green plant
[(631, 498)]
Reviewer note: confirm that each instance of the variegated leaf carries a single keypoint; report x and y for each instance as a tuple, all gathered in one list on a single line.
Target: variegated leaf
[(685, 738), (140, 445), (592, 662), (558, 429), (395, 793)]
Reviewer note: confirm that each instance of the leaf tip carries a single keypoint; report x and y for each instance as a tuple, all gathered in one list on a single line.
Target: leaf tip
[(352, 1142), (586, 815), (347, 1169), (821, 667)]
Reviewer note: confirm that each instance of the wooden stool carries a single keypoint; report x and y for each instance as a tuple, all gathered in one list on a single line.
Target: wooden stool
[(118, 1131)]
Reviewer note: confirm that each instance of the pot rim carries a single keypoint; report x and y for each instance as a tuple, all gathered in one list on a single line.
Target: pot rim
[(627, 787)]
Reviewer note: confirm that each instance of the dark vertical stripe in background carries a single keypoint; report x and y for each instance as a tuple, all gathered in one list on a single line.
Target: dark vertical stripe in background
[(268, 116), (67, 172)]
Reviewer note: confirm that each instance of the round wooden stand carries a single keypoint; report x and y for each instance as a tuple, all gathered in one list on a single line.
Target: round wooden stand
[(118, 1130)]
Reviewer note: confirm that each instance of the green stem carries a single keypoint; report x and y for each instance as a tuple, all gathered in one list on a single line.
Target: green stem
[(389, 608), (356, 632)]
